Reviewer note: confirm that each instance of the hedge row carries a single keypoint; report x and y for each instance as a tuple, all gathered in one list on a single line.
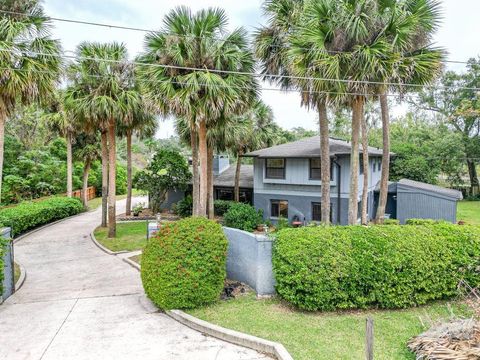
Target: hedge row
[(28, 215), (328, 268)]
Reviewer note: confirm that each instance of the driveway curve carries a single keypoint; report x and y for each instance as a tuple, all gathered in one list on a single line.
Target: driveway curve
[(80, 303)]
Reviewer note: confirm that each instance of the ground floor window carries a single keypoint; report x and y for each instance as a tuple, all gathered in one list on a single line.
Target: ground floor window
[(317, 211), (279, 208)]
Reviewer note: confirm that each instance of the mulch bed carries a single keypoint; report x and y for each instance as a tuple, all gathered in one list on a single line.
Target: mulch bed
[(146, 214)]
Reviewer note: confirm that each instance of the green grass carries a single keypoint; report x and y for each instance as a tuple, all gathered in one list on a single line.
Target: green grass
[(16, 272), (97, 202), (131, 236), (469, 211), (317, 336)]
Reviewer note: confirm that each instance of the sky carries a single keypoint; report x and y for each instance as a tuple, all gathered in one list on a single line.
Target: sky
[(457, 34)]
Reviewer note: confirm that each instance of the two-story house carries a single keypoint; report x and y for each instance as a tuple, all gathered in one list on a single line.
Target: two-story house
[(287, 180)]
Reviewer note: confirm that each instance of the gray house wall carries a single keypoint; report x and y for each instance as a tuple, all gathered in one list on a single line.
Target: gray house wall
[(301, 192), (418, 204)]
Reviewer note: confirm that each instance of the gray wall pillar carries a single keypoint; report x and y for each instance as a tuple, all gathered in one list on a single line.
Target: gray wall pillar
[(8, 284)]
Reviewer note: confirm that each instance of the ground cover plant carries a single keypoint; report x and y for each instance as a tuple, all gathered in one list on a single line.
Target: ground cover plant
[(329, 268), (184, 265), (28, 215)]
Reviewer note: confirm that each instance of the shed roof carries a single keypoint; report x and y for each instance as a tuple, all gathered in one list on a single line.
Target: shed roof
[(308, 147), (455, 194)]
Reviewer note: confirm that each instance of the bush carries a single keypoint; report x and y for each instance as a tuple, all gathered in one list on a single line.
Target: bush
[(423, 222), (222, 206), (28, 215), (184, 207), (391, 222), (328, 268), (184, 265), (2, 254), (243, 217)]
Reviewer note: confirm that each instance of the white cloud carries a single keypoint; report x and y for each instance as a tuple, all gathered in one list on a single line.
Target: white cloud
[(457, 34)]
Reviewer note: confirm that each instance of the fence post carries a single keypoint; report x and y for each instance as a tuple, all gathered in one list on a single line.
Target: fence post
[(369, 339)]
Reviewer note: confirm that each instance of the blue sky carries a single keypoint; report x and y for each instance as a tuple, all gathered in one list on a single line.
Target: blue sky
[(458, 34)]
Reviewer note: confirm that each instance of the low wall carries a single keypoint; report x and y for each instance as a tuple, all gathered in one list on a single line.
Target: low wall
[(250, 260), (8, 270)]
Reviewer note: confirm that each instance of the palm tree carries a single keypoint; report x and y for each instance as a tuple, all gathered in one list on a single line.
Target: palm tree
[(202, 72), (86, 151), (29, 59), (61, 121), (104, 91), (143, 125)]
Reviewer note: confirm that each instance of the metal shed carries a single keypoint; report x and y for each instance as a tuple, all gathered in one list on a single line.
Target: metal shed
[(409, 199)]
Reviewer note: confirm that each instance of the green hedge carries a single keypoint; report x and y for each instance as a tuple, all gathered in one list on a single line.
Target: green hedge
[(184, 266), (423, 221), (28, 215), (328, 268), (243, 216), (222, 206)]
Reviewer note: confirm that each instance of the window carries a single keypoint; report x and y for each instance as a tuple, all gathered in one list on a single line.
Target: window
[(315, 169), (361, 164), (317, 211), (379, 164), (224, 194), (275, 169), (279, 208)]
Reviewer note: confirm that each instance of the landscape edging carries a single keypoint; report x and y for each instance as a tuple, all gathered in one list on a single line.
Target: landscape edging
[(132, 263), (22, 278), (235, 337)]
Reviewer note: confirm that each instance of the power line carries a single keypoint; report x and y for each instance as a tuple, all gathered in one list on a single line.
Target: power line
[(246, 73), (137, 29)]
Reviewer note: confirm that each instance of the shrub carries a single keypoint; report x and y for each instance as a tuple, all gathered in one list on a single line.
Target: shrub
[(243, 217), (391, 222), (328, 268), (184, 207), (222, 206), (184, 265), (29, 215), (282, 223), (423, 221), (2, 254)]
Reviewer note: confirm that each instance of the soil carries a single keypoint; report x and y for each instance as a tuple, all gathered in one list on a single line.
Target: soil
[(146, 214), (234, 289)]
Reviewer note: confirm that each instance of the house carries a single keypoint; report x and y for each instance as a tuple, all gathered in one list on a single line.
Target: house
[(287, 180)]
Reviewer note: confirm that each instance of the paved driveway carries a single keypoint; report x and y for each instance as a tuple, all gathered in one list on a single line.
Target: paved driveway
[(80, 303)]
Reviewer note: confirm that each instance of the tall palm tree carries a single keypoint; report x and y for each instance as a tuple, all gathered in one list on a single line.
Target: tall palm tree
[(143, 125), (104, 89), (29, 59), (201, 72), (87, 151), (61, 120)]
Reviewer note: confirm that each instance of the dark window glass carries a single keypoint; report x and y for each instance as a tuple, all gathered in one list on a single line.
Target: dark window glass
[(316, 171), (361, 164), (275, 169), (317, 212), (380, 164), (279, 208), (224, 194)]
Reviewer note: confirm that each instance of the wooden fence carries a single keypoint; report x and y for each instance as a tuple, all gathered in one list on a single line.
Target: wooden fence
[(91, 193)]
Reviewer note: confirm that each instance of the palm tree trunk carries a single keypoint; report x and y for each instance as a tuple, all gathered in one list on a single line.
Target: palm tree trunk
[(211, 206), (195, 180), (129, 173), (325, 161), (69, 166), (203, 155), (104, 177), (3, 118), (112, 160), (357, 111), (236, 191), (382, 201), (366, 170), (472, 173), (86, 172)]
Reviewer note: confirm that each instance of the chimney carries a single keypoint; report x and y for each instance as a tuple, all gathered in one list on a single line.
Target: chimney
[(220, 164)]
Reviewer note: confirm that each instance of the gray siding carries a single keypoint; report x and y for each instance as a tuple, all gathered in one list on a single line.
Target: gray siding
[(420, 204)]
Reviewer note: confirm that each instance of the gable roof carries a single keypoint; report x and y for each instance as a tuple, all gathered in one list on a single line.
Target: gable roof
[(432, 188), (308, 147)]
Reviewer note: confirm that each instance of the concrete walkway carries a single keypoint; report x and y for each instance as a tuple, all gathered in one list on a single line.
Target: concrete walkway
[(80, 303)]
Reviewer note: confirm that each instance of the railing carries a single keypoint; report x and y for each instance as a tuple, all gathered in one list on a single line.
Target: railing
[(91, 193)]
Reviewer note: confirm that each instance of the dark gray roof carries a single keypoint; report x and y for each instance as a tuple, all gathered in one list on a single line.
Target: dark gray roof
[(308, 147), (392, 187), (227, 178), (432, 188)]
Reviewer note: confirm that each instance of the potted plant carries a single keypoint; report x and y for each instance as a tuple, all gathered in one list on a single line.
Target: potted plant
[(138, 209)]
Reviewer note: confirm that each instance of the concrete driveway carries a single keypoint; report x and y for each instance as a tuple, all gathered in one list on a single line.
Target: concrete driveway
[(80, 303)]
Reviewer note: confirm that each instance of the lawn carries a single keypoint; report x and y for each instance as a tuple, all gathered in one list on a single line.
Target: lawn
[(327, 336), (97, 202), (469, 211), (131, 236)]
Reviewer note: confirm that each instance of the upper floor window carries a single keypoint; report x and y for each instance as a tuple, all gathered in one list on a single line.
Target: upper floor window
[(275, 169), (315, 169)]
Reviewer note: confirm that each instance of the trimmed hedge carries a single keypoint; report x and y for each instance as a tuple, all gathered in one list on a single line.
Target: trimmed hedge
[(243, 216), (28, 215), (184, 266), (329, 268), (423, 221)]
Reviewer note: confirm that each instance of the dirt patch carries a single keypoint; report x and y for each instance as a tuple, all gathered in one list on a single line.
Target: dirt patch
[(234, 289), (146, 214)]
